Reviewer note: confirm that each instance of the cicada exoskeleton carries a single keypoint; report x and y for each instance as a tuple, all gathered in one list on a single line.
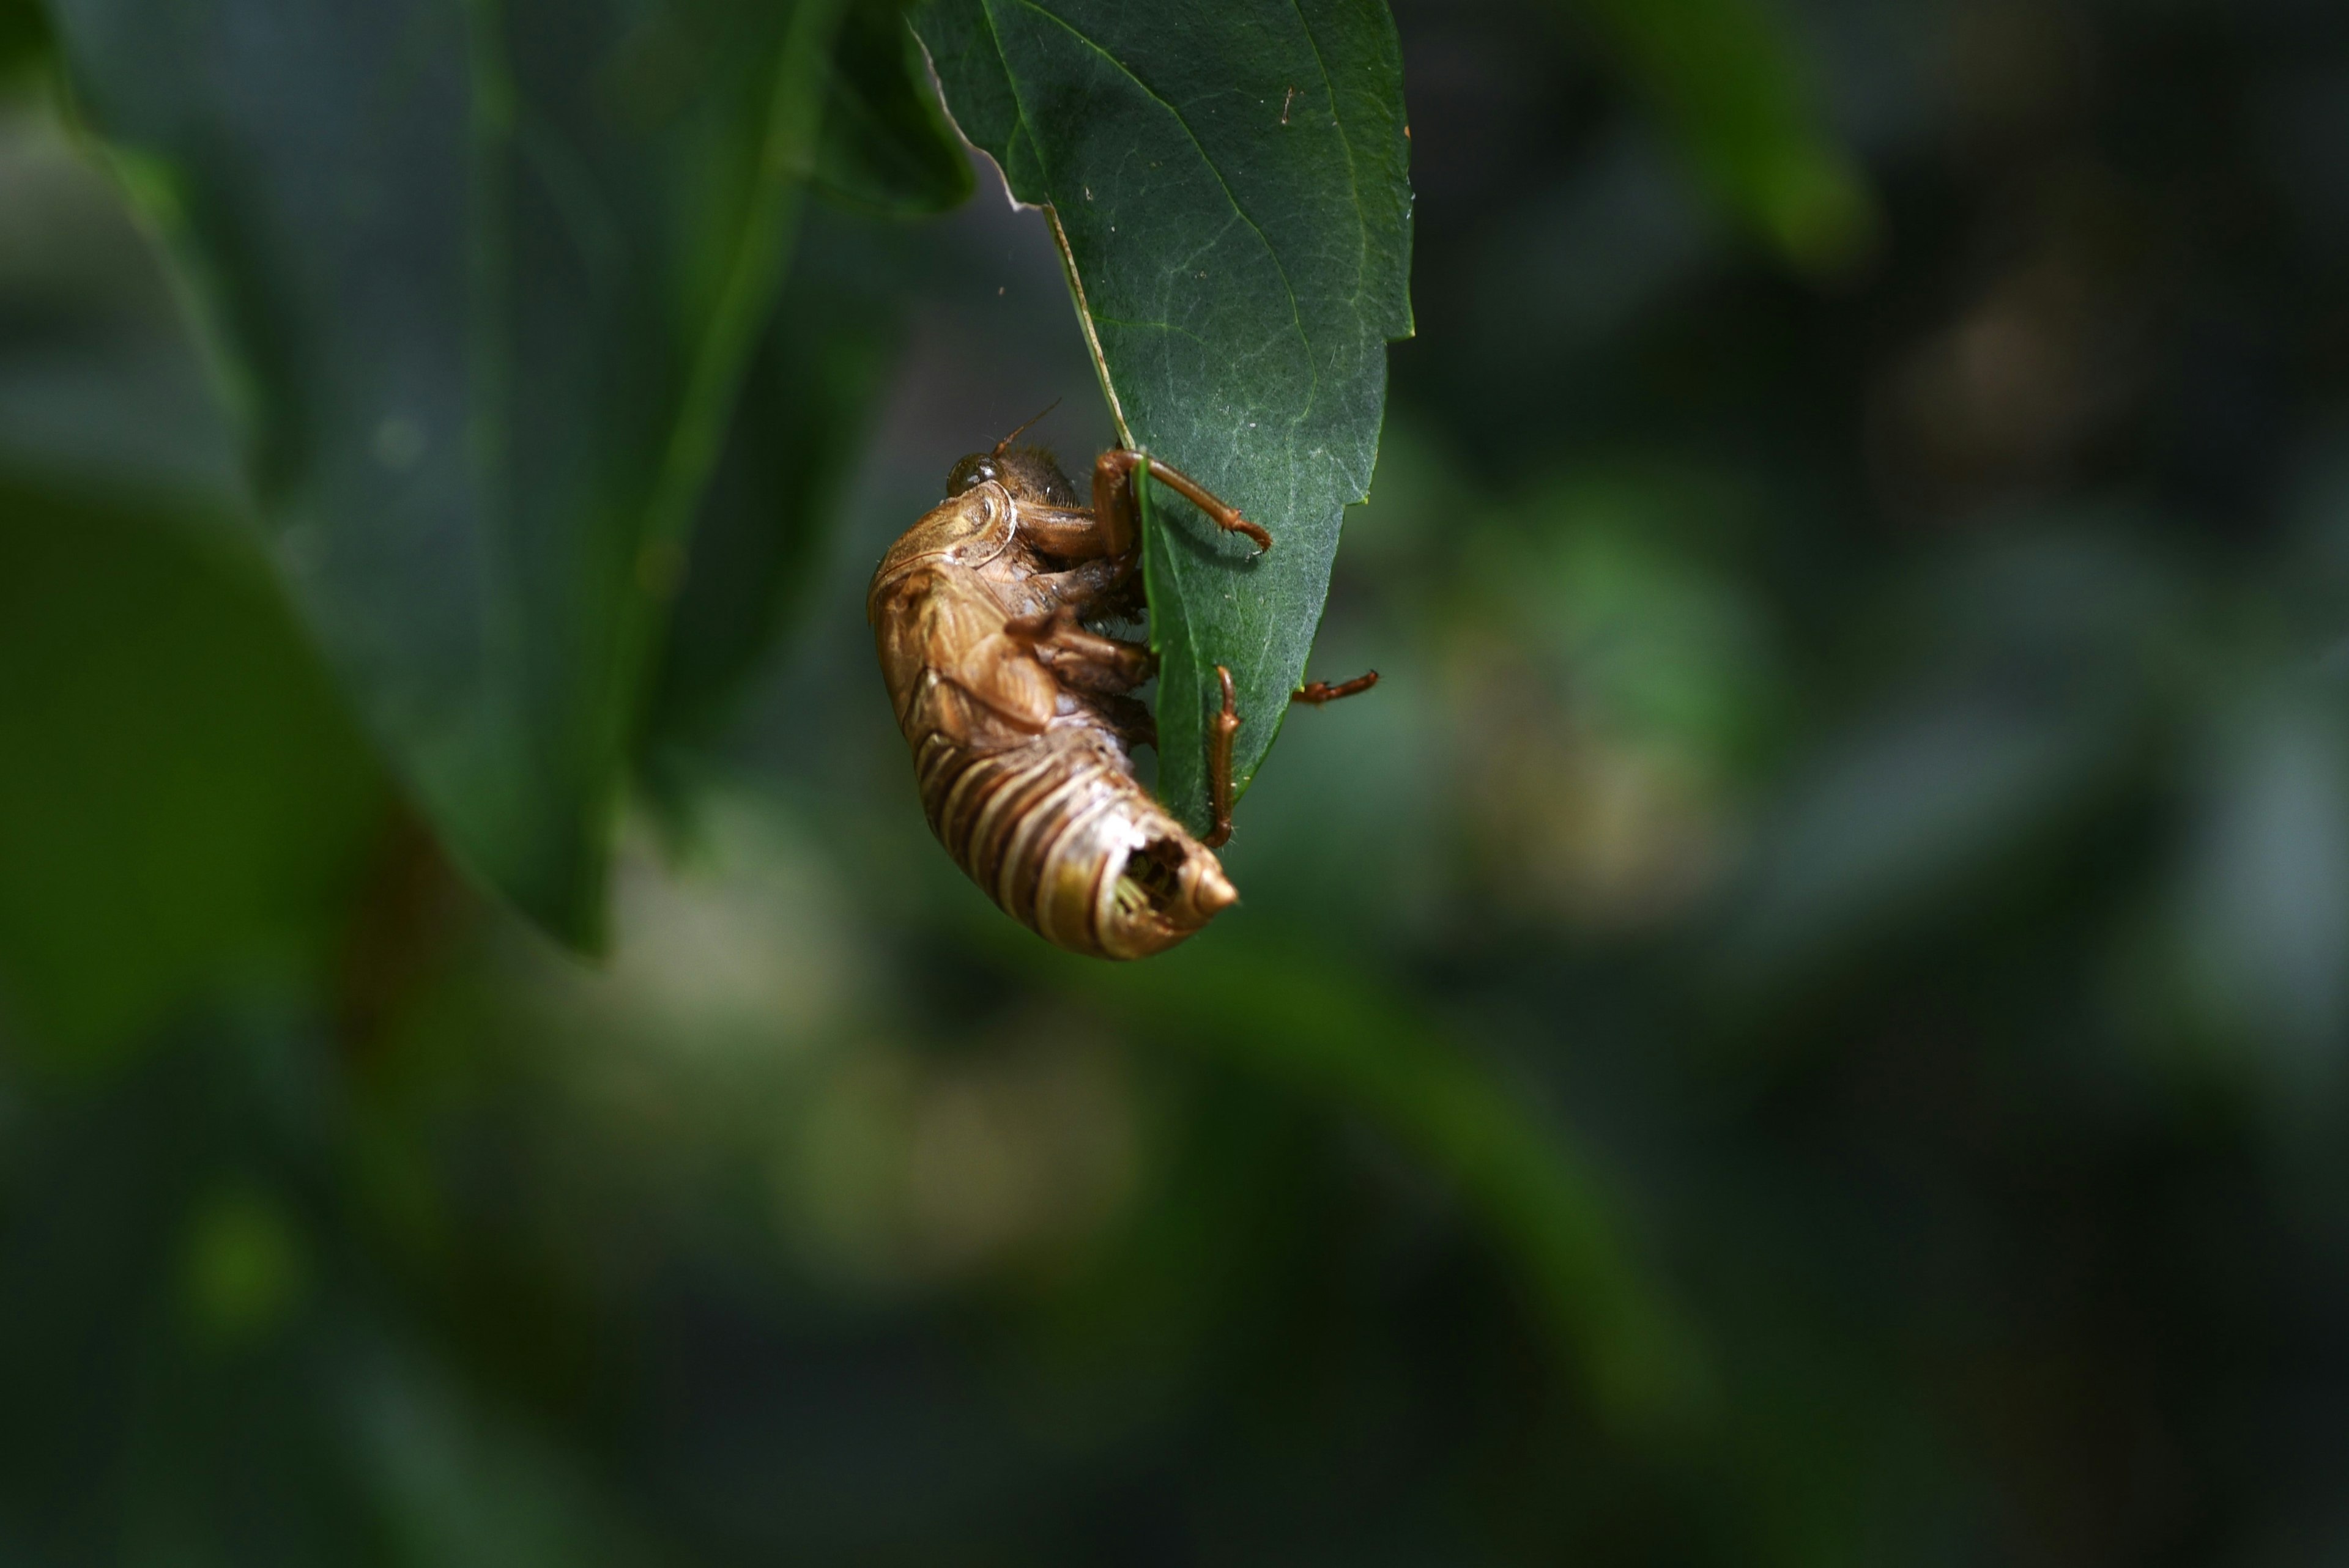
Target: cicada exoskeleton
[(1021, 718)]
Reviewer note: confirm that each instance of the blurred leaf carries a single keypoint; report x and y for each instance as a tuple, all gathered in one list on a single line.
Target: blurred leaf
[(799, 428), (460, 1482), (1610, 576), (1219, 1215), (1733, 89), (1339, 1038), (190, 1383), (886, 146), (24, 35), (491, 276), (179, 789), (2036, 661), (131, 1438), (2265, 905), (102, 386), (246, 1269), (1886, 823), (1226, 181)]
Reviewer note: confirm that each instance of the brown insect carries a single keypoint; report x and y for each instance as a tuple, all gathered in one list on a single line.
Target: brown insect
[(1021, 719)]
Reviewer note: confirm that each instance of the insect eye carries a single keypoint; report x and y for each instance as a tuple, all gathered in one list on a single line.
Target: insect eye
[(971, 473)]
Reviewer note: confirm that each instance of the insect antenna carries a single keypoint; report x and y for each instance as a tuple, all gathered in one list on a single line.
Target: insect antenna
[(1037, 418)]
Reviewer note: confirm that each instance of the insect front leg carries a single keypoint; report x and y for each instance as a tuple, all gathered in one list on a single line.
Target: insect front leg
[(1069, 533), (1104, 581), (1083, 659), (1120, 520)]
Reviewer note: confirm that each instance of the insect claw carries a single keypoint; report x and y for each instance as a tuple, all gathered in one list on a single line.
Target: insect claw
[(1318, 691)]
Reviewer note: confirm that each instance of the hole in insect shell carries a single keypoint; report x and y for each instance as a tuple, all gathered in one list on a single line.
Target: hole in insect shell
[(1151, 876)]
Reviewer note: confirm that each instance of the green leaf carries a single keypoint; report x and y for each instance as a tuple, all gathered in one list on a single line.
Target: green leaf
[(181, 791), (886, 147), (1226, 179), (184, 803), (102, 389), (24, 35), (1733, 87), (487, 275), (775, 496)]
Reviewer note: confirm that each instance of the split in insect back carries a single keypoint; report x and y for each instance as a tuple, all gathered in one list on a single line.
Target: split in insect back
[(1022, 721)]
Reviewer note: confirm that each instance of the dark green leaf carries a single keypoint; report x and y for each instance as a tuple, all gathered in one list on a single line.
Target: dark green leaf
[(886, 147), (179, 789), (181, 796), (806, 400), (1227, 180), (24, 34), (489, 274), (102, 388)]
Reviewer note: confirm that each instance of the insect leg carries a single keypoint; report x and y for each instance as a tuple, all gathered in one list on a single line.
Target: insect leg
[(1101, 664), (1065, 533), (1096, 584), (1106, 578), (1318, 691), (1043, 626), (1113, 499), (1086, 660), (1221, 729)]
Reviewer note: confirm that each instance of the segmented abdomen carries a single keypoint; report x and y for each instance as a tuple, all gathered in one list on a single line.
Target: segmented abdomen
[(1045, 828)]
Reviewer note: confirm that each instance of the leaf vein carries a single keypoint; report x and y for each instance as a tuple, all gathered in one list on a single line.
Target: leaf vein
[(1154, 327), (1296, 308), (1353, 171)]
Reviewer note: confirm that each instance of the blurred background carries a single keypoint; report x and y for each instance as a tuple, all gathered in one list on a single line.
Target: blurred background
[(1803, 1023)]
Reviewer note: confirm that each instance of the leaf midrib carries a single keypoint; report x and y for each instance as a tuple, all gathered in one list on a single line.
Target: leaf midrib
[(1353, 168), (1288, 292)]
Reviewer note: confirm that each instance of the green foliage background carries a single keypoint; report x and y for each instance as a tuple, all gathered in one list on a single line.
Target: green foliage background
[(1803, 1021)]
